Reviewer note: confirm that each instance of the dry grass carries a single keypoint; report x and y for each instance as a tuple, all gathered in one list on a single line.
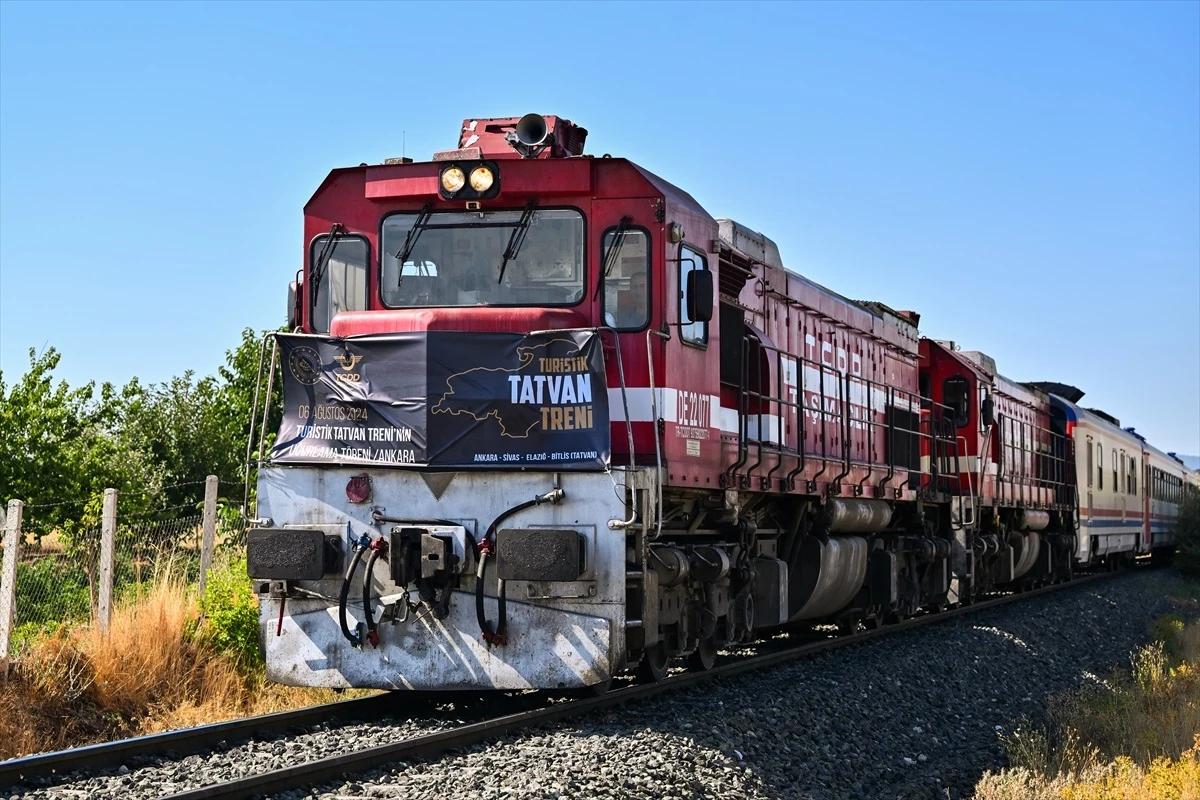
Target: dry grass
[(1122, 779), (149, 674), (1135, 735)]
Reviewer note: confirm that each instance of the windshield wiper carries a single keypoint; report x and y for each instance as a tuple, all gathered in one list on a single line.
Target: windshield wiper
[(410, 241), (517, 239), (610, 258), (318, 270)]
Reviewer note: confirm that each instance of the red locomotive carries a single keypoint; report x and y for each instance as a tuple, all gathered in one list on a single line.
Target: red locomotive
[(546, 419)]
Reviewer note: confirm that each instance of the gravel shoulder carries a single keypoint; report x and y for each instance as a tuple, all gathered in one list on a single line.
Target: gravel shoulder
[(915, 715)]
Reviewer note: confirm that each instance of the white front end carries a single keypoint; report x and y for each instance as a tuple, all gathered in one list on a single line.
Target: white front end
[(560, 634)]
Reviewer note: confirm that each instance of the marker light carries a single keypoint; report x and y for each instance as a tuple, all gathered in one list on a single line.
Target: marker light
[(482, 179), (453, 180), (358, 488)]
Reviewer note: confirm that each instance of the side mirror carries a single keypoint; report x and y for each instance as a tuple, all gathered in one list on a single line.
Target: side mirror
[(700, 295), (293, 312), (987, 412)]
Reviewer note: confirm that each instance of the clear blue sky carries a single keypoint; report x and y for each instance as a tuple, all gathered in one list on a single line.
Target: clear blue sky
[(1026, 175)]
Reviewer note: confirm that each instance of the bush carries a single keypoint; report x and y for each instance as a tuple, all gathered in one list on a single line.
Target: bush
[(1163, 779), (230, 615), (1187, 535)]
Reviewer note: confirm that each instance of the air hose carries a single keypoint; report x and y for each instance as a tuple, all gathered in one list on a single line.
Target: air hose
[(360, 550), (499, 634), (379, 549)]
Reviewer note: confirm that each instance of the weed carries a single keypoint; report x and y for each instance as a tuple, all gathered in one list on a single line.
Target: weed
[(230, 609), (1135, 735), (1122, 779)]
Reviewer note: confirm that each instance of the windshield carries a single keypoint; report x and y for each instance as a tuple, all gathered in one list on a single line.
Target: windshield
[(458, 256)]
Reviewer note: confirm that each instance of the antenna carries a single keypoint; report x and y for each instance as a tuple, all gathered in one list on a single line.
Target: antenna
[(403, 137)]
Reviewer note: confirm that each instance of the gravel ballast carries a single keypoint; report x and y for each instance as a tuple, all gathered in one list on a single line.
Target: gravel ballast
[(914, 715)]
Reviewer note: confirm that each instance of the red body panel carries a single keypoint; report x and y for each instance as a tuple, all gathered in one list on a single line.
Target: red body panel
[(513, 320)]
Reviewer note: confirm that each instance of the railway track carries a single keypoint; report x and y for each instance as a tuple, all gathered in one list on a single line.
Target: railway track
[(196, 740)]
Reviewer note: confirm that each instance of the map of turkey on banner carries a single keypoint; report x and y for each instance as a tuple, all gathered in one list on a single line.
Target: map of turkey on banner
[(519, 399)]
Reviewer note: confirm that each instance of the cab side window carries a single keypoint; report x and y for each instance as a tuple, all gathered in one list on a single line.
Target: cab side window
[(625, 256), (956, 394), (693, 331), (338, 276)]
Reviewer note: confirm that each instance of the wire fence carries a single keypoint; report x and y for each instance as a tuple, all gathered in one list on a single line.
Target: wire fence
[(60, 572)]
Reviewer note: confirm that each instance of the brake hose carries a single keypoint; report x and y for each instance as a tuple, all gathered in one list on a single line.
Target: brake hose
[(359, 550), (499, 635), (378, 549)]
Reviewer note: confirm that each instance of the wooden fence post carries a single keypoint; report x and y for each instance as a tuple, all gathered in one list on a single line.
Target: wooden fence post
[(209, 535), (8, 581), (108, 536)]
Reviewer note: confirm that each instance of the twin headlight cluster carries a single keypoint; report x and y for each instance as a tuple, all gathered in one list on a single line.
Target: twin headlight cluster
[(469, 180)]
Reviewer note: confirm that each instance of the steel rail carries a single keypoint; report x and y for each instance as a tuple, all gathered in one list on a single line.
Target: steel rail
[(304, 775), (198, 739)]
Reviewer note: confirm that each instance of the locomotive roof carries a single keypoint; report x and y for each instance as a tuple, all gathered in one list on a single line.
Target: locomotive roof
[(1099, 419), (749, 247), (756, 247), (984, 366)]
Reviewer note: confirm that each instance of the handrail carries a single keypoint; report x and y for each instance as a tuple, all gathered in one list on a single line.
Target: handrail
[(262, 354), (658, 481)]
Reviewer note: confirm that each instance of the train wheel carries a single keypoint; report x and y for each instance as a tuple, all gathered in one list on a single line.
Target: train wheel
[(653, 666), (704, 657)]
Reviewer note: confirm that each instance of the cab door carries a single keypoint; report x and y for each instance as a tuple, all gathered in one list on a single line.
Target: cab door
[(693, 429), (625, 291)]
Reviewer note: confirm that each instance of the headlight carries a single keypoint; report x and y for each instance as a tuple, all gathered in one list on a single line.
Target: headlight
[(453, 180), (484, 182), (481, 179)]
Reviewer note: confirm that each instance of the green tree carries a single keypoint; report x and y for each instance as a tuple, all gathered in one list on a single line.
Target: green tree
[(239, 382), (180, 426), (154, 443), (240, 385), (191, 428), (56, 445)]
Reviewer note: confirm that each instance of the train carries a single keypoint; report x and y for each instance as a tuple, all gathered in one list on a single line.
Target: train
[(546, 421)]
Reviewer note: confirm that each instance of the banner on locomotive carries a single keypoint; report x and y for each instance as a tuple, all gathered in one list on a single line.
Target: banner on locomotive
[(442, 399)]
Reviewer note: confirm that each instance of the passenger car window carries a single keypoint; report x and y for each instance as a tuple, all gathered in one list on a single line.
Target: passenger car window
[(1090, 462)]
